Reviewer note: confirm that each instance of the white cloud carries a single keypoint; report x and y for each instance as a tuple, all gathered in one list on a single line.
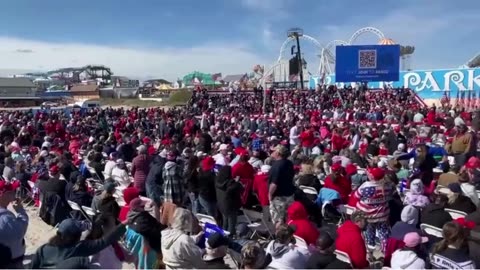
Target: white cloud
[(168, 63)]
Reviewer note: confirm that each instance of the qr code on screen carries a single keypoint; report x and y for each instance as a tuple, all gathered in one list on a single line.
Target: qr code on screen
[(367, 59)]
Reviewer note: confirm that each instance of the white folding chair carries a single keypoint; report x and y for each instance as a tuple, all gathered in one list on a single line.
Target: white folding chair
[(349, 210), (342, 256), (478, 194), (93, 173), (89, 211), (257, 222), (300, 242), (431, 230), (202, 219), (455, 213), (76, 207), (308, 190)]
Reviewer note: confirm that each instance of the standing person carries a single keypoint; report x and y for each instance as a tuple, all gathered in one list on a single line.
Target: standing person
[(228, 192), (173, 184), (12, 227), (140, 167), (338, 182), (461, 146), (423, 165), (245, 173), (373, 199), (260, 187), (207, 198), (294, 136), (281, 188)]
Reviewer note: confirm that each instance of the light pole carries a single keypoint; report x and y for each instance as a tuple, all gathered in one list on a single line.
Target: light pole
[(297, 33)]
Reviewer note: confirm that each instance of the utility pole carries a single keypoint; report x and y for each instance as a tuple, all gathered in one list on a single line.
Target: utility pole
[(297, 33)]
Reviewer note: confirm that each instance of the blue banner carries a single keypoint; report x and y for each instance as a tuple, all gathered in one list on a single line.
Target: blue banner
[(429, 84), (367, 63)]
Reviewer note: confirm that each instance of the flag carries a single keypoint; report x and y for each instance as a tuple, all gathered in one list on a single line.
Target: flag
[(444, 99), (469, 99), (462, 99), (474, 100), (457, 100), (478, 100)]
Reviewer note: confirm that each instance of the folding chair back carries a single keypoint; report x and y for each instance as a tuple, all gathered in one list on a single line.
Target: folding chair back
[(74, 205), (257, 222), (431, 230), (455, 213), (89, 211), (308, 190), (202, 219), (300, 242), (343, 256)]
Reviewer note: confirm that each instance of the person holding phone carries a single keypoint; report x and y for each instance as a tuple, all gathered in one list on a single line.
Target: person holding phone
[(13, 225)]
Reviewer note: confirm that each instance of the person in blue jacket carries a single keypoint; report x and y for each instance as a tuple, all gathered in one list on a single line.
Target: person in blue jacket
[(424, 163)]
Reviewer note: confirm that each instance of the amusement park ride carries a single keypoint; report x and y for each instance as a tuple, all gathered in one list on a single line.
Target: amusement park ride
[(69, 76), (327, 53)]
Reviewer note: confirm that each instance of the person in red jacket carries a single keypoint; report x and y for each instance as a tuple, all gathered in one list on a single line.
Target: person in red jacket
[(128, 195), (350, 240), (246, 173), (260, 187), (306, 140), (337, 141), (297, 216), (338, 182)]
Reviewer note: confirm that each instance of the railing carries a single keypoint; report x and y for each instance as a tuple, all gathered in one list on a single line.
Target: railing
[(418, 98)]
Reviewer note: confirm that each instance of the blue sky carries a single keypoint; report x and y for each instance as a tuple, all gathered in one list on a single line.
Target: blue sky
[(168, 38)]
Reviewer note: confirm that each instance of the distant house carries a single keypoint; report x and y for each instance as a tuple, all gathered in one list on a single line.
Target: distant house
[(17, 88), (235, 79), (83, 92)]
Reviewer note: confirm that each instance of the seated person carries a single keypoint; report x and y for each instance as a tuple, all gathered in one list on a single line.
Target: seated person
[(323, 257)]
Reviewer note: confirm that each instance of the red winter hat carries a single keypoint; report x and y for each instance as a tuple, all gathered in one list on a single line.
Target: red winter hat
[(240, 150), (473, 163), (376, 173), (208, 163), (129, 194), (336, 167), (146, 140)]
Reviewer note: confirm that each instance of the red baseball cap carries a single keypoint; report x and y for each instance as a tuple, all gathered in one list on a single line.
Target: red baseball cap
[(8, 186), (54, 169), (376, 173)]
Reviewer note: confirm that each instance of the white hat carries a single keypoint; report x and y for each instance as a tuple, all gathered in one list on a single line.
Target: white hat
[(223, 147), (163, 153), (265, 168), (46, 144), (401, 147), (44, 153)]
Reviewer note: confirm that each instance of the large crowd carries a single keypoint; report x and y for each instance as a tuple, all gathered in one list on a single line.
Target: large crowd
[(331, 178)]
